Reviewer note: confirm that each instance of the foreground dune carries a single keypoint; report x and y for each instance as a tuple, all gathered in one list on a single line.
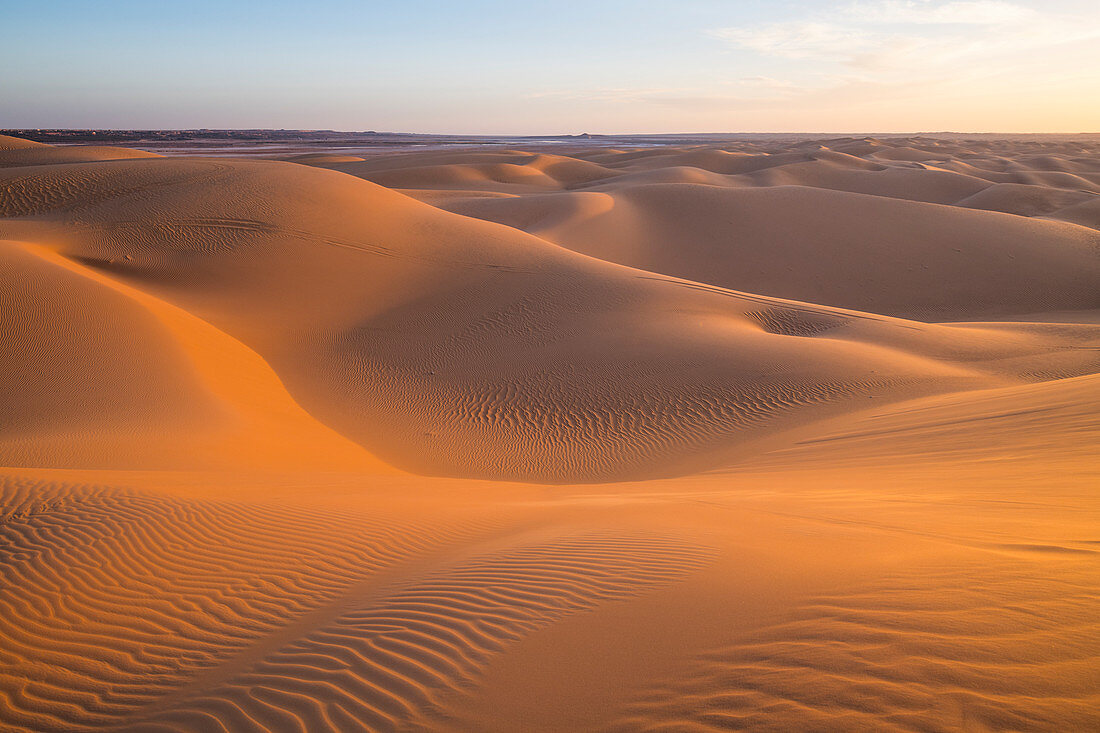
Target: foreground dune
[(757, 438)]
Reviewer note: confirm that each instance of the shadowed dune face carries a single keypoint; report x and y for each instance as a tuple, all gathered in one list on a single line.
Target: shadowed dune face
[(762, 436)]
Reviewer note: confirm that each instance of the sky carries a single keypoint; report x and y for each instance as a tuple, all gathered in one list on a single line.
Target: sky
[(520, 67)]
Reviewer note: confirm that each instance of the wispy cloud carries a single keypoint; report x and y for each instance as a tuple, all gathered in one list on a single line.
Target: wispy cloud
[(925, 12), (800, 39), (914, 37), (854, 58)]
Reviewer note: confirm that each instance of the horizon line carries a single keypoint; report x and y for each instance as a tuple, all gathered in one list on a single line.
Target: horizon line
[(544, 135)]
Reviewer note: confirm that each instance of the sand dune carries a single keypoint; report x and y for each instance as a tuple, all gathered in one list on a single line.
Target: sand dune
[(101, 375), (503, 371), (762, 436), (853, 251), (17, 152), (942, 172)]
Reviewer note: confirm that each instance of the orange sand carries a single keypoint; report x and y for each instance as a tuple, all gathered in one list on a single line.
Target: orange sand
[(769, 438)]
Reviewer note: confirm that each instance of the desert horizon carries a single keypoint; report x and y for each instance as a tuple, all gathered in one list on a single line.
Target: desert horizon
[(308, 426)]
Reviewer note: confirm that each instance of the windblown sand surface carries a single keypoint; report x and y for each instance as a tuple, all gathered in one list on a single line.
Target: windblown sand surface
[(765, 436)]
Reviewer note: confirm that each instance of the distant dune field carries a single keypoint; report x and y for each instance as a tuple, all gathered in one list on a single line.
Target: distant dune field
[(764, 435)]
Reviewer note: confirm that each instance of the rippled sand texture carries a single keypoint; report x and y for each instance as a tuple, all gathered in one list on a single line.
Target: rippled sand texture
[(762, 436)]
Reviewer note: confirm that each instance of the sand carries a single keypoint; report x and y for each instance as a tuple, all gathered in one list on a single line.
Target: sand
[(769, 436)]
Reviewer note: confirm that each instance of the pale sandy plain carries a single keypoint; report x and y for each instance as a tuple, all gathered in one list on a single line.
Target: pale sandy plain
[(760, 436)]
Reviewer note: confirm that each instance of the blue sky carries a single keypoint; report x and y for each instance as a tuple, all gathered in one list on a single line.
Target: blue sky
[(520, 67)]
